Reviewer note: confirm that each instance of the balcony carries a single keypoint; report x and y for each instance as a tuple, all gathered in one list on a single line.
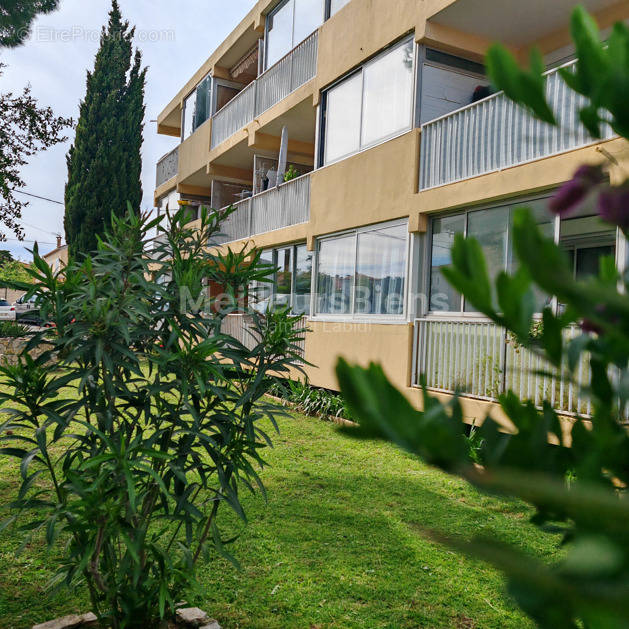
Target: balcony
[(242, 328), (478, 359), (495, 134), (288, 74), (167, 167), (286, 205)]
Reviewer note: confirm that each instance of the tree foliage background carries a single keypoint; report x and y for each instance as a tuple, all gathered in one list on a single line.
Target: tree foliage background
[(16, 18), (25, 129)]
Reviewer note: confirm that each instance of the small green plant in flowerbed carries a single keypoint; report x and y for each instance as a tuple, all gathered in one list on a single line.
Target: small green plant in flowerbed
[(11, 329), (311, 400)]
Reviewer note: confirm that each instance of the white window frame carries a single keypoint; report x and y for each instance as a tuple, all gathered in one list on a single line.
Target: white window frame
[(183, 107), (293, 43), (519, 201), (216, 83), (323, 140), (293, 246), (352, 316)]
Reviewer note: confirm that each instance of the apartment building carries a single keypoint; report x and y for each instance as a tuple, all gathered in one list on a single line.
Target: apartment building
[(356, 138)]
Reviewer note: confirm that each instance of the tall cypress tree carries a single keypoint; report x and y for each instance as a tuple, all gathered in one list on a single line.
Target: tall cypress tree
[(105, 164)]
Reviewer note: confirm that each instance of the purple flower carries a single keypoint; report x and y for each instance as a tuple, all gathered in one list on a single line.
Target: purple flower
[(613, 206), (574, 192), (590, 327)]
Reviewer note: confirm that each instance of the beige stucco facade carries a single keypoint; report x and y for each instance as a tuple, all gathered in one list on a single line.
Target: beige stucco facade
[(381, 183)]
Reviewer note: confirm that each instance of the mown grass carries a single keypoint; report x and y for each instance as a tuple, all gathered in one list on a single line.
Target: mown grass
[(337, 545)]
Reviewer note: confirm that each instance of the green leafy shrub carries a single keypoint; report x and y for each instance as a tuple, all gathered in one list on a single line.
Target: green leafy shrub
[(311, 400), (476, 444), (150, 422), (11, 329), (577, 484), (290, 174)]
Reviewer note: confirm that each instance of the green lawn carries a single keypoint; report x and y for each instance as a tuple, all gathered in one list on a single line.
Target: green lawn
[(336, 545)]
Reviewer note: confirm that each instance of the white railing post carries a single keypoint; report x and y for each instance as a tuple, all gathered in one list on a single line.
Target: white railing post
[(250, 206)]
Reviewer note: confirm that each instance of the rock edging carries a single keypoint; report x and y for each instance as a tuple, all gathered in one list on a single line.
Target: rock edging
[(12, 347)]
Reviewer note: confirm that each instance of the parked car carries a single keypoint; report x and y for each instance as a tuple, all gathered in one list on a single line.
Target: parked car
[(7, 311), (27, 311), (25, 305)]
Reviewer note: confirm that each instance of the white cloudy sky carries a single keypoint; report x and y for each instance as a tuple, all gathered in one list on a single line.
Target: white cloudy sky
[(175, 39)]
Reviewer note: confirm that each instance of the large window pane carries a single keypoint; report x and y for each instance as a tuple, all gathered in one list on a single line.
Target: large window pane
[(442, 296), (189, 112), (303, 280), (588, 259), (279, 38), (337, 5), (546, 223), (388, 94), (381, 271), (343, 119), (491, 230), (308, 17), (284, 276), (586, 239), (262, 293), (202, 112), (335, 275)]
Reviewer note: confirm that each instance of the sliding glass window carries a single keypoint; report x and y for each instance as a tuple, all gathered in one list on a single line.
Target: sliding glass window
[(279, 32), (284, 284), (343, 119), (196, 109), (381, 271), (302, 283), (336, 261), (337, 5), (442, 296), (289, 24), (291, 280), (388, 94), (371, 105), (363, 273), (491, 230), (189, 107), (585, 240)]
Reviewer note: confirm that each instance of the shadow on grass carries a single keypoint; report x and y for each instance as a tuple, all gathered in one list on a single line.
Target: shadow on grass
[(337, 545)]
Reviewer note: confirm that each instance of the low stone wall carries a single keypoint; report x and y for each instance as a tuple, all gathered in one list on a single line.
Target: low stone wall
[(11, 348)]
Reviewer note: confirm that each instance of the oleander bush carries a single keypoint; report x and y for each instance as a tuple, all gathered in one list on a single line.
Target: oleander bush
[(149, 426)]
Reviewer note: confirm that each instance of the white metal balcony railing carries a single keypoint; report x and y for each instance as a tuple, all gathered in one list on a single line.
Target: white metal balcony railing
[(289, 73), (241, 327), (167, 167), (495, 134), (286, 205), (476, 358)]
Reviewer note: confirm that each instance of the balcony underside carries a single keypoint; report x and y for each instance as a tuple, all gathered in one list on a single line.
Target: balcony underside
[(517, 23)]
